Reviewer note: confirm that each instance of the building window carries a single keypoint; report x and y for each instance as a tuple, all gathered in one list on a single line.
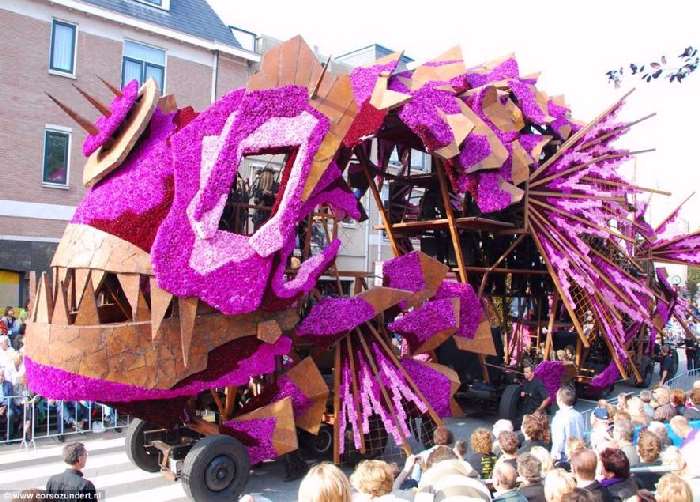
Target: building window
[(56, 157), (141, 62), (246, 38), (63, 39), (161, 4)]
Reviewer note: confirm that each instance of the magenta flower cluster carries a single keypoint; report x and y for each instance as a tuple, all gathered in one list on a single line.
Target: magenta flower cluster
[(107, 125)]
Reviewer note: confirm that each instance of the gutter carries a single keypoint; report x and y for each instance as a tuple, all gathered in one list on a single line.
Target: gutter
[(157, 29)]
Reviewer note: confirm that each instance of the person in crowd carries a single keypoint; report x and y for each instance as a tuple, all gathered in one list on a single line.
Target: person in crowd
[(508, 442), (442, 436), (622, 401), (482, 458), (664, 410), (600, 426), (682, 429), (672, 488), (666, 366), (7, 353), (558, 485), (533, 394), (661, 432), (623, 431), (505, 481), (617, 481), (573, 444), (637, 413), (9, 412), (535, 430), (583, 467), (324, 483), (690, 348), (501, 425), (544, 457), (676, 462), (678, 399), (11, 322), (446, 477), (567, 422), (374, 480), (460, 449), (71, 481), (646, 397), (649, 448), (692, 407), (530, 470)]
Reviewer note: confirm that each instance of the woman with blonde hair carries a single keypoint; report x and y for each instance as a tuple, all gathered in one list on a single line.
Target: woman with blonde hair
[(324, 483), (672, 488), (544, 457), (558, 485), (635, 406), (374, 480)]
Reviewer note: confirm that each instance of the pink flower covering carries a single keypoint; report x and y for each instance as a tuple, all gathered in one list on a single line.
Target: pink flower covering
[(107, 125), (424, 322), (261, 431), (435, 386), (55, 383), (490, 197), (606, 378), (526, 94), (306, 276), (550, 372), (470, 312), (404, 272), (286, 388), (506, 69), (191, 256), (364, 79), (133, 200), (421, 115), (332, 316)]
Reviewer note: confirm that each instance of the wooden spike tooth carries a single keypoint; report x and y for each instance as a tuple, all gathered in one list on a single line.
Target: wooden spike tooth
[(87, 308), (114, 90), (187, 310), (60, 310), (101, 107), (142, 313), (44, 301), (82, 275), (160, 301), (96, 277), (131, 284), (88, 126)]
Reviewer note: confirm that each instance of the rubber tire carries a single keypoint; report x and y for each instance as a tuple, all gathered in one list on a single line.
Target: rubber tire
[(199, 457), (646, 369), (135, 450), (310, 443), (508, 404)]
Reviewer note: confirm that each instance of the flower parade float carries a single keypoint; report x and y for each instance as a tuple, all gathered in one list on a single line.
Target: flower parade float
[(220, 343)]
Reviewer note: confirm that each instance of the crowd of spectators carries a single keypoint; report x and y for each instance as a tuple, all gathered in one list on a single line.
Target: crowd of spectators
[(640, 450)]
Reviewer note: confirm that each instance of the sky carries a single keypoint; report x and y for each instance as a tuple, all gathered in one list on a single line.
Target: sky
[(573, 44)]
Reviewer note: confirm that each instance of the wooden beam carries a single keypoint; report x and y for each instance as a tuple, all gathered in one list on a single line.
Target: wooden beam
[(355, 391), (454, 233), (336, 405), (549, 341), (389, 403), (433, 414), (382, 212), (510, 249)]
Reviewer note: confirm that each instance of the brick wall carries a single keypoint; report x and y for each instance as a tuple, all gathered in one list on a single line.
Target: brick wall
[(233, 73), (189, 81)]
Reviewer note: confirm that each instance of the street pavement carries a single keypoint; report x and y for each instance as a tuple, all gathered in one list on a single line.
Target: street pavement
[(110, 470)]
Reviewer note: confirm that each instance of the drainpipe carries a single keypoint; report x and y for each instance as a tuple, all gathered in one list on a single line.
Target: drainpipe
[(214, 75)]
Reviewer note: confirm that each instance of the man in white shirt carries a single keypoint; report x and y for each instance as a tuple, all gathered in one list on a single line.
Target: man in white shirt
[(567, 423)]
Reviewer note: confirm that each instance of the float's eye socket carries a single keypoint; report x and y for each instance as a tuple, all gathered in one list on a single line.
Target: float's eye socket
[(256, 192)]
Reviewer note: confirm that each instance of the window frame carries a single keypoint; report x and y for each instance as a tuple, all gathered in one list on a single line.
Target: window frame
[(144, 64), (162, 5), (58, 71), (67, 131)]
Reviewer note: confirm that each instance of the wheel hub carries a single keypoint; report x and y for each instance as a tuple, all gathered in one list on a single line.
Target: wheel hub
[(220, 473)]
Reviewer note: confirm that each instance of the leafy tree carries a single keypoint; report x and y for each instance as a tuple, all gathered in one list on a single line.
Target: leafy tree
[(693, 280), (686, 63)]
